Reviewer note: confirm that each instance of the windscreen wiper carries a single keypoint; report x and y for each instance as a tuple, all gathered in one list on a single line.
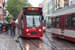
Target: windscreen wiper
[(33, 22)]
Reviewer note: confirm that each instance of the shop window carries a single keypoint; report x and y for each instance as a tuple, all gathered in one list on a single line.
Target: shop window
[(68, 21)]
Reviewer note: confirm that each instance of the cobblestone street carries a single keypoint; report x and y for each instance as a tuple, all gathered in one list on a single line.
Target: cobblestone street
[(7, 42)]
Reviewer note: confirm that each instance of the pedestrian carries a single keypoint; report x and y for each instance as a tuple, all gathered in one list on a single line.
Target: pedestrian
[(11, 28), (14, 28), (6, 28)]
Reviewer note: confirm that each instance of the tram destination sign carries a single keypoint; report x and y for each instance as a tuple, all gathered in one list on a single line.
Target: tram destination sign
[(32, 13)]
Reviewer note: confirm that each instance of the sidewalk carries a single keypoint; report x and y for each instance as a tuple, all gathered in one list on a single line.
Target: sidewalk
[(7, 42), (48, 30)]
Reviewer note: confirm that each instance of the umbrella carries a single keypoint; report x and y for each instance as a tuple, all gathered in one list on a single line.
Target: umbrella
[(12, 21)]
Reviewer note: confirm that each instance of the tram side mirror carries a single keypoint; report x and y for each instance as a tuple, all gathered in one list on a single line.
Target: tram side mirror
[(42, 17)]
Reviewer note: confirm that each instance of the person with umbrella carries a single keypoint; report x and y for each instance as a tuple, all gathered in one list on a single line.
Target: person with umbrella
[(11, 26), (14, 28)]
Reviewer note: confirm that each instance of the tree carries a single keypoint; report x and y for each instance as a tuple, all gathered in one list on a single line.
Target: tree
[(15, 6), (8, 18)]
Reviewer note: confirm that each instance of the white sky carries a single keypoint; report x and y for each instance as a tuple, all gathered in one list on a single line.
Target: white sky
[(35, 3)]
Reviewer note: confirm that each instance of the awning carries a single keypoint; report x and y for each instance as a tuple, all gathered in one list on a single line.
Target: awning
[(2, 14)]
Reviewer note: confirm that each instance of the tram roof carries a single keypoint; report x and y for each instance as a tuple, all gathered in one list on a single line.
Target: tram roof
[(65, 10), (30, 7)]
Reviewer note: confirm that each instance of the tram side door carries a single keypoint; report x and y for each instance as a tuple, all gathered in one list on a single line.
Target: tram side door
[(62, 25)]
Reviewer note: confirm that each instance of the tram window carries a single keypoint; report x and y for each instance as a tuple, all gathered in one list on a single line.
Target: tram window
[(22, 25), (19, 23), (53, 22), (73, 21), (22, 17), (68, 22), (57, 22)]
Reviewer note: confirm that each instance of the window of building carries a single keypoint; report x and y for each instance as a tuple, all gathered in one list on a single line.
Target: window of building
[(58, 0), (0, 10), (65, 0), (68, 22), (0, 5)]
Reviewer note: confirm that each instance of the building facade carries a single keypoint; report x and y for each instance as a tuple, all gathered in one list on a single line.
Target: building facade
[(45, 9), (49, 11), (58, 4), (1, 11)]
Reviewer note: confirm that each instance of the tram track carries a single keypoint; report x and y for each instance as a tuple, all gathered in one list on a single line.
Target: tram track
[(44, 42), (40, 43), (66, 43), (59, 41), (33, 43), (55, 48)]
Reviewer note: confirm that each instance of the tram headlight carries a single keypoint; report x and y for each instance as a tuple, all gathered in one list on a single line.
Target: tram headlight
[(40, 30), (27, 30)]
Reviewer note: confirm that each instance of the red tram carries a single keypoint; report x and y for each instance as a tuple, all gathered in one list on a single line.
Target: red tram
[(44, 25), (30, 22), (63, 24)]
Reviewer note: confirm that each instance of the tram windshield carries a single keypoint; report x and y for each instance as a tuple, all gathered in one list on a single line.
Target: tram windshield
[(33, 21)]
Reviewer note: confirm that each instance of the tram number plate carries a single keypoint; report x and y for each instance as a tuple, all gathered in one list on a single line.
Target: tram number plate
[(33, 32)]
